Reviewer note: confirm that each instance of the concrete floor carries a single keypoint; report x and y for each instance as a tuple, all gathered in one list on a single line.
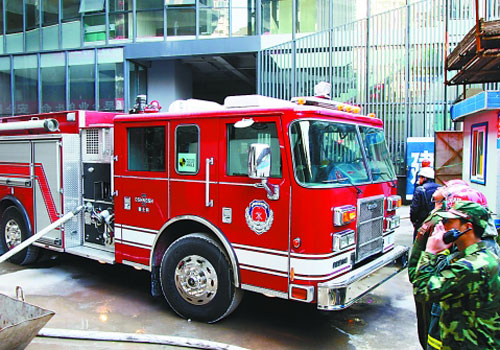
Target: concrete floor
[(86, 295)]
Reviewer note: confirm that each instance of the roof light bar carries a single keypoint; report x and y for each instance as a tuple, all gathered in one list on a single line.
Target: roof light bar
[(325, 103)]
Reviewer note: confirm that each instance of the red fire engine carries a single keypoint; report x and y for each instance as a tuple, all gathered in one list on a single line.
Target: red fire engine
[(295, 200)]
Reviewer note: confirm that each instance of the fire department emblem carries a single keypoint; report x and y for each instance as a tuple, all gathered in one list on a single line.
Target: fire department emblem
[(259, 216)]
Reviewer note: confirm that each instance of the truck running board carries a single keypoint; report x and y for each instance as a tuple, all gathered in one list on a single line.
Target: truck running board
[(92, 253)]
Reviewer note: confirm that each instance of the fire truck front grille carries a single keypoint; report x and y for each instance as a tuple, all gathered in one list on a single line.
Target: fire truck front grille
[(370, 227), (370, 208)]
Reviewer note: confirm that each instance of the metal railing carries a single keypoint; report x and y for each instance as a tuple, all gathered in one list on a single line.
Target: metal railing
[(391, 64)]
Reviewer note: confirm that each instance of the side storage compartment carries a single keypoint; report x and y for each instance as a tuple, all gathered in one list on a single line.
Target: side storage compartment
[(47, 190), (97, 152), (91, 234)]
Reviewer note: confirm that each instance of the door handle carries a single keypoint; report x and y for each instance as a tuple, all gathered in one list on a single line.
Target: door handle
[(208, 202)]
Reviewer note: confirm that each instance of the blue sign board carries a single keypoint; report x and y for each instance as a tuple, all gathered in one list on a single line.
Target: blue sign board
[(418, 149)]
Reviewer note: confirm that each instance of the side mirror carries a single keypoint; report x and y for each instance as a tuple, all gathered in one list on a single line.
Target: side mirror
[(259, 161)]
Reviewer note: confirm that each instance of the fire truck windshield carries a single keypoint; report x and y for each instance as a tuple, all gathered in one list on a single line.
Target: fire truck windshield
[(378, 158), (327, 153)]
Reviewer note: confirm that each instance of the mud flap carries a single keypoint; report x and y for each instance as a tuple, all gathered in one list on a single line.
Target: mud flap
[(155, 282)]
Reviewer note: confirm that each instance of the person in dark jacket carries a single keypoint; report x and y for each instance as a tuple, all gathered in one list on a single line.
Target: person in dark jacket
[(421, 204)]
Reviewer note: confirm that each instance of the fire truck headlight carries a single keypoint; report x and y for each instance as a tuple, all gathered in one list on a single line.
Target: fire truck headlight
[(393, 202), (344, 215), (393, 222), (343, 240)]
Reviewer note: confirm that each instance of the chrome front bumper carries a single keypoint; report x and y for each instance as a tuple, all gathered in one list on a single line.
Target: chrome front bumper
[(349, 288)]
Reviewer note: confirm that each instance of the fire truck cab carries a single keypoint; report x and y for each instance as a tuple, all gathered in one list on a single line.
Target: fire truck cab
[(295, 200)]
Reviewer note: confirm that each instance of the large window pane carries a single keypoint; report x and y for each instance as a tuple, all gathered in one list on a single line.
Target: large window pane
[(26, 84), (50, 30), (70, 9), (32, 10), (14, 42), (181, 20), (276, 16), (243, 21), (150, 25), (120, 20), (120, 5), (81, 79), (71, 32), (14, 14), (312, 16), (214, 20), (50, 37), (149, 4), (14, 25), (53, 82), (110, 65), (5, 102), (33, 40), (95, 28), (32, 14), (50, 10), (120, 26)]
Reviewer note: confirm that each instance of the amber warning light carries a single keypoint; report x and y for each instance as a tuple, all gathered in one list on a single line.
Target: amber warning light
[(344, 215)]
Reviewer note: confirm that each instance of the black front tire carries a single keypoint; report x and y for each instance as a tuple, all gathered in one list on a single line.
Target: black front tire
[(13, 231), (195, 278)]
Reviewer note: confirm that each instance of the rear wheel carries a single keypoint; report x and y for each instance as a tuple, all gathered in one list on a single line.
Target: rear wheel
[(195, 278), (13, 231)]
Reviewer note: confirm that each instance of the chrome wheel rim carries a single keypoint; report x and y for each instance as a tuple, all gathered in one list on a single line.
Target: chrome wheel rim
[(196, 280), (13, 234)]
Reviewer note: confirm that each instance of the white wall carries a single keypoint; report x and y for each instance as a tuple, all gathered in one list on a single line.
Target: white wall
[(169, 81), (492, 186)]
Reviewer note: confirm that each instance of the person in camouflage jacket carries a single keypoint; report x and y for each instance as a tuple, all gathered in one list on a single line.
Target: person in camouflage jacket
[(428, 313), (468, 287)]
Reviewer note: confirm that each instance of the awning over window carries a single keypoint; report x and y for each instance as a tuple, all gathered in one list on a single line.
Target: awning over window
[(477, 56), (91, 6)]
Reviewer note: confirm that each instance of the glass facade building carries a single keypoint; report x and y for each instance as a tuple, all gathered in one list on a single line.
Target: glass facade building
[(385, 55), (95, 54), (390, 63)]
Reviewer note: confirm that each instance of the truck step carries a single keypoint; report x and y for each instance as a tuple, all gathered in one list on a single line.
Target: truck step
[(93, 253)]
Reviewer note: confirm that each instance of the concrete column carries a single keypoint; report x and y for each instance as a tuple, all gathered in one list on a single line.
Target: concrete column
[(169, 80)]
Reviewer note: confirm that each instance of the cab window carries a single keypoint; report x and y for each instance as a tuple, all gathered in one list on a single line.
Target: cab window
[(187, 150), (239, 139), (146, 148)]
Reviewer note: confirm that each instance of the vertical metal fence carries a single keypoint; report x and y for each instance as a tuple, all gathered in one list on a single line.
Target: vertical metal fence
[(391, 64)]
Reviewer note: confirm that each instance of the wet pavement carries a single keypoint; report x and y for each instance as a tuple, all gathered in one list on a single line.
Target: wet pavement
[(86, 295)]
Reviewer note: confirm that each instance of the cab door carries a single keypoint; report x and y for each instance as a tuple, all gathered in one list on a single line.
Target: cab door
[(257, 226), (193, 169), (140, 183)]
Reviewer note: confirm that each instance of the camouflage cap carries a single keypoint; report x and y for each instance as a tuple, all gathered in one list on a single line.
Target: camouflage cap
[(470, 211)]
